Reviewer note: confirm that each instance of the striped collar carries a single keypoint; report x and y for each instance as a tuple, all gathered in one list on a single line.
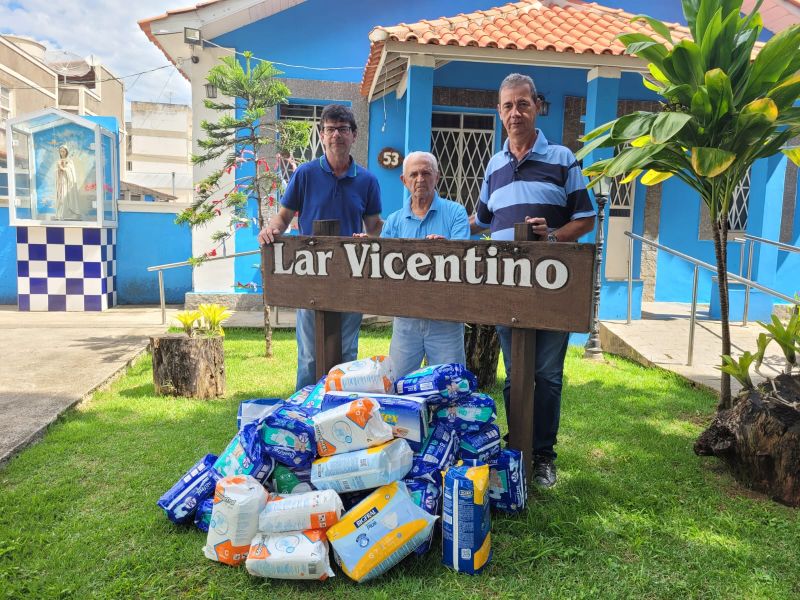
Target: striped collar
[(539, 146)]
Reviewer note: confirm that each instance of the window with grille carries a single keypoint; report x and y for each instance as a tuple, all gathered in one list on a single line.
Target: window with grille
[(305, 112), (5, 114), (737, 214), (463, 143)]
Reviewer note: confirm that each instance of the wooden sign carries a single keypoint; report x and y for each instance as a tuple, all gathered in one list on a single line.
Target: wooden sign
[(521, 284), (389, 158)]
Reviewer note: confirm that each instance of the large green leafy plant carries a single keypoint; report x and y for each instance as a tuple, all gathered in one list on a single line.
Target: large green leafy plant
[(722, 110), (239, 143)]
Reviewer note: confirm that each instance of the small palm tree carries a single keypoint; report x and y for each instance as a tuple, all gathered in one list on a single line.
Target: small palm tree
[(723, 110)]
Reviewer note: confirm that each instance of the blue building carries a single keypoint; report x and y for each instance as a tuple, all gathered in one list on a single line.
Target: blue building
[(430, 83)]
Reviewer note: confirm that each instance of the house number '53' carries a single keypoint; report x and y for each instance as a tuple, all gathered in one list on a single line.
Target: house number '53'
[(389, 158)]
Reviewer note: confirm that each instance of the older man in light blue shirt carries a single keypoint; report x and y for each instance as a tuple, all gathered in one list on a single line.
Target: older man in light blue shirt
[(425, 215)]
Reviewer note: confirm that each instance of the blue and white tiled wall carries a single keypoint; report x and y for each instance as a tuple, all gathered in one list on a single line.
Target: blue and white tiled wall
[(66, 269)]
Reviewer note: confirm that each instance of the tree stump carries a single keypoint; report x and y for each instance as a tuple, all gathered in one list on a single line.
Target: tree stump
[(482, 347), (188, 366), (759, 439)]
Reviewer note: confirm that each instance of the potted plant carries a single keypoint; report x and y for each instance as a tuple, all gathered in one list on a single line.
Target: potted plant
[(191, 363)]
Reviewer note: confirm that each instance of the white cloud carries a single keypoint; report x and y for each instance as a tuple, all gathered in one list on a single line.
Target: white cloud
[(109, 31)]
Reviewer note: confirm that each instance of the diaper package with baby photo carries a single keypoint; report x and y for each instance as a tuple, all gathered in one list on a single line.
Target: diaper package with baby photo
[(238, 501), (507, 484), (438, 383), (466, 519), (255, 409), (352, 426), (372, 374), (245, 455), (379, 532), (407, 415), (438, 453), (181, 500), (289, 480), (482, 445), (288, 437), (289, 555), (311, 510), (469, 413), (362, 469)]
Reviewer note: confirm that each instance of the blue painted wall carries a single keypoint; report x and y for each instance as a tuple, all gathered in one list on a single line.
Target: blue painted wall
[(144, 240), (8, 260)]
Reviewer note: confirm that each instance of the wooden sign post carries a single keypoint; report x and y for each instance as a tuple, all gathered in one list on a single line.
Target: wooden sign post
[(525, 285)]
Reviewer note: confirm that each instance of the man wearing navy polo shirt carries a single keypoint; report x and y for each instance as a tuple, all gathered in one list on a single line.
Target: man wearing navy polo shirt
[(425, 215), (330, 187), (540, 183)]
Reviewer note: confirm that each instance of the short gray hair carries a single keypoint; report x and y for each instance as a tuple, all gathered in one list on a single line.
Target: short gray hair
[(517, 80), (426, 155)]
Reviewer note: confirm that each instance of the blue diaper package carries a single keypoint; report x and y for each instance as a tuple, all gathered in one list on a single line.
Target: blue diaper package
[(507, 485), (438, 383), (288, 437), (428, 496), (438, 453), (466, 519), (308, 400), (251, 411), (245, 455), (181, 500), (202, 517), (469, 413), (482, 445), (407, 415)]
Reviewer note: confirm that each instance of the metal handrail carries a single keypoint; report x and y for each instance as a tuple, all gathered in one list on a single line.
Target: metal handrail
[(697, 265), (746, 237), (186, 263)]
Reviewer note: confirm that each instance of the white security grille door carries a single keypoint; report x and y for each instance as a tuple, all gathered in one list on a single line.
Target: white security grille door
[(620, 220), (463, 143), (737, 214), (306, 112)]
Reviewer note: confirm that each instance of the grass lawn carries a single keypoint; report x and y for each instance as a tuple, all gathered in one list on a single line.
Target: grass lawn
[(635, 513)]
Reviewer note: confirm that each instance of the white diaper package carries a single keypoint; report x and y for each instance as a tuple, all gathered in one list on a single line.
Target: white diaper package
[(363, 469), (238, 500), (352, 426), (290, 555), (379, 532), (293, 512), (374, 374)]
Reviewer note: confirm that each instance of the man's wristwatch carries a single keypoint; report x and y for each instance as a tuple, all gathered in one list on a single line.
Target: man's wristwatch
[(552, 237)]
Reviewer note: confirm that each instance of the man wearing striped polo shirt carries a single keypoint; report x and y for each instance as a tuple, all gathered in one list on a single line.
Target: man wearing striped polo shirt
[(540, 183)]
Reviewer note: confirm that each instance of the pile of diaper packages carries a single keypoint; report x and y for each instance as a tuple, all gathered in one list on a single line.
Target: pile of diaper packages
[(362, 462)]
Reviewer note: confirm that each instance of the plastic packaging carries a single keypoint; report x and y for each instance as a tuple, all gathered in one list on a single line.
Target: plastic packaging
[(407, 415), (363, 469), (290, 555), (438, 383), (466, 519), (372, 374), (202, 517), (287, 480), (470, 413), (308, 400), (438, 453), (507, 485), (244, 455), (181, 500), (482, 445), (379, 532), (352, 426), (312, 510), (288, 437), (253, 410), (238, 500), (428, 496)]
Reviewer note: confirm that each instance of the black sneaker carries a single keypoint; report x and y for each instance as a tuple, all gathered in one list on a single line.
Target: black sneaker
[(544, 472)]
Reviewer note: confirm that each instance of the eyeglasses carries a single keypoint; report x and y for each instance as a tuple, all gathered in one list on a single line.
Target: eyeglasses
[(343, 130)]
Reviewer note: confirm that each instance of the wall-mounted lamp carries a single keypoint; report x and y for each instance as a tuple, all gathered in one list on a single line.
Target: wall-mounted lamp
[(192, 36), (211, 90), (544, 105)]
